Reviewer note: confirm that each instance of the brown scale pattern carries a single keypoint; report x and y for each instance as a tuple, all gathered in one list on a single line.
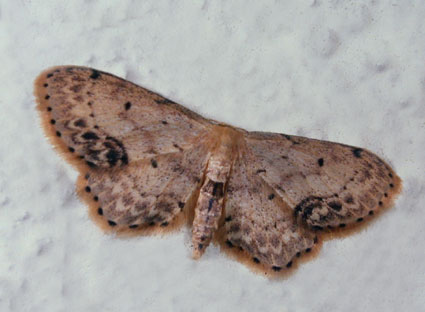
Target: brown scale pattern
[(147, 164)]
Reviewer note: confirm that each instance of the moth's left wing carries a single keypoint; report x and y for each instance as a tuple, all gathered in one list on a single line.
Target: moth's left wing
[(325, 184), (282, 188), (259, 221)]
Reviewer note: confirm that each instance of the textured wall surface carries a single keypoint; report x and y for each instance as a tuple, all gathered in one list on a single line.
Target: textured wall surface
[(345, 71)]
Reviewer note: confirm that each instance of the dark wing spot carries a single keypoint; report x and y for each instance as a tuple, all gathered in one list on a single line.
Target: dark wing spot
[(200, 246), (164, 101), (90, 164), (290, 138), (100, 211), (111, 223), (181, 205), (52, 121), (176, 146), (307, 205), (58, 133), (271, 196), (308, 210), (133, 226), (357, 152), (127, 105), (112, 156), (320, 162), (229, 244), (88, 189), (164, 224), (335, 205), (289, 264), (49, 75), (286, 136), (349, 199), (255, 260), (297, 210), (276, 268), (71, 149), (154, 163), (47, 97), (116, 151), (94, 74), (227, 219), (164, 122), (90, 136), (80, 123)]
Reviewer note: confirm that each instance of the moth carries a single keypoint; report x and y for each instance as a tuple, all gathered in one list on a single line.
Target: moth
[(147, 163)]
